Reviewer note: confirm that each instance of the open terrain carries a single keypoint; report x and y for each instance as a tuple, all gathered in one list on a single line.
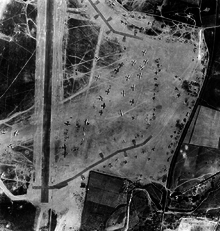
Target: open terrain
[(114, 89)]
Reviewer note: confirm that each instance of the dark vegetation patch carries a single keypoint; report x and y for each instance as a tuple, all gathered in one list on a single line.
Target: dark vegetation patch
[(110, 52), (19, 215), (81, 45), (17, 60)]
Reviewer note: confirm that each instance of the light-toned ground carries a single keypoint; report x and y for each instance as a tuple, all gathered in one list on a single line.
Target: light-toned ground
[(131, 113), (118, 111), (187, 224), (135, 108)]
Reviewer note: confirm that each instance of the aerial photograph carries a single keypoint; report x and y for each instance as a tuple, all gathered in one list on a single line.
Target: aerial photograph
[(109, 115)]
